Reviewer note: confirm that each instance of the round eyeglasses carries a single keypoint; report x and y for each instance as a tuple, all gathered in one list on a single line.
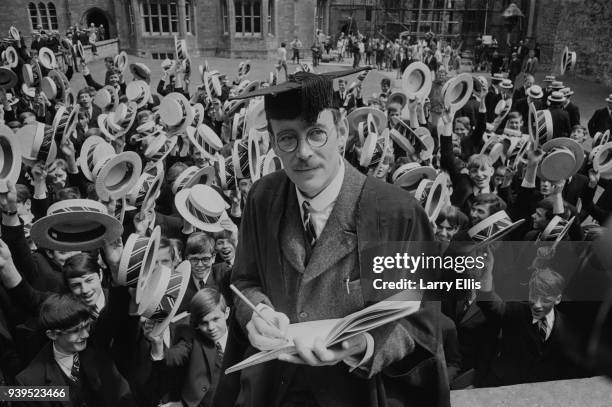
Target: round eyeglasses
[(288, 141)]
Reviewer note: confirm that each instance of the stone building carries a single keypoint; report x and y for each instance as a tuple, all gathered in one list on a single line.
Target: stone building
[(57, 15), (584, 26), (241, 28)]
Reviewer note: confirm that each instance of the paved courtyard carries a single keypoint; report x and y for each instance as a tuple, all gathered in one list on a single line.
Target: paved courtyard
[(588, 96)]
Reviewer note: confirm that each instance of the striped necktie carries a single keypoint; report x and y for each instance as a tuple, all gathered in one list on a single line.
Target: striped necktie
[(76, 368), (542, 329), (311, 235)]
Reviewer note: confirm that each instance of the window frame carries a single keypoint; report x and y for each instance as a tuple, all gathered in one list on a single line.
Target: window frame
[(44, 16), (52, 15), (34, 20), (247, 15), (161, 18)]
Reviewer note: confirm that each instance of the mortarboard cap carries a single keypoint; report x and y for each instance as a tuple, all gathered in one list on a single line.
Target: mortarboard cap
[(303, 95)]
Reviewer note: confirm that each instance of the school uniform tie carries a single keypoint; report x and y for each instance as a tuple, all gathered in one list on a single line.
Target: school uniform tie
[(311, 235), (202, 284), (542, 329), (76, 368)]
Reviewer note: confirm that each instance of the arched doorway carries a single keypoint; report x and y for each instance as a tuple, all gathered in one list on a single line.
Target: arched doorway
[(98, 17)]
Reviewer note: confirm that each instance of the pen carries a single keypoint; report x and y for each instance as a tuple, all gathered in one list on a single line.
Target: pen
[(250, 304)]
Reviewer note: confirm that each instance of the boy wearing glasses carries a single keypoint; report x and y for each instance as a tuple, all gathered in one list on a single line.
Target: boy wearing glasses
[(297, 260), (91, 376), (200, 251)]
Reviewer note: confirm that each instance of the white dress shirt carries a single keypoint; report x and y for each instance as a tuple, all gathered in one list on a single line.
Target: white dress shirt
[(550, 321), (64, 360), (322, 204)]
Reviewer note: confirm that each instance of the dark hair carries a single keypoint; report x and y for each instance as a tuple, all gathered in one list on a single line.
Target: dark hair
[(80, 265), (23, 193), (86, 89), (108, 59), (453, 216), (546, 282), (203, 303), (67, 193), (62, 311), (283, 44), (199, 242), (495, 202), (515, 115), (385, 81)]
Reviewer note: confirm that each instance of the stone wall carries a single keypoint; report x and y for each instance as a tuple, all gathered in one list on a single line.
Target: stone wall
[(583, 26)]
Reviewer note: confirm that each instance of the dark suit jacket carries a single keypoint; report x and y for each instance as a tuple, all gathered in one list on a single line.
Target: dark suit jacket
[(108, 388), (561, 122), (491, 100), (270, 268), (522, 357), (195, 357), (574, 114), (218, 279), (600, 121)]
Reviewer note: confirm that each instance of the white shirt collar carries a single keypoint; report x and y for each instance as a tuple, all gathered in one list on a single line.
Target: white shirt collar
[(222, 341), (197, 280), (329, 194), (100, 302), (64, 360), (550, 321)]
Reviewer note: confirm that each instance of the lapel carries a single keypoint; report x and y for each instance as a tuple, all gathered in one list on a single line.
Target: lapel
[(292, 243), (471, 312), (338, 237), (53, 373), (210, 353)]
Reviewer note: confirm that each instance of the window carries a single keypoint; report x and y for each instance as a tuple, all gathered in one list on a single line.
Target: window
[(248, 17), (44, 18), (33, 12), (162, 18), (52, 16), (271, 17), (130, 12), (225, 16)]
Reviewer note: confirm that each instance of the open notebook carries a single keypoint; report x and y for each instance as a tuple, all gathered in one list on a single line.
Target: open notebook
[(335, 330)]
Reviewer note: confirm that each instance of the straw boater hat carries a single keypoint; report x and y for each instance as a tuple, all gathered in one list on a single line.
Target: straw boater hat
[(543, 123), (180, 46), (46, 58), (107, 98), (244, 68), (366, 128), (27, 74), (557, 85), (176, 113), (64, 122), (432, 195), (117, 174), (193, 175), (492, 228), (212, 85), (231, 107), (205, 140), (76, 225), (139, 92), (227, 171), (568, 60), (8, 78), (270, 163), (246, 155), (164, 293), (409, 175), (202, 207), (556, 97), (534, 92), (11, 56), (506, 84), (160, 145), (563, 157), (79, 49), (121, 61), (124, 117), (601, 157), (121, 206), (502, 108), (140, 71), (601, 138), (93, 150), (556, 229), (138, 260), (518, 153), (198, 114), (374, 150), (550, 78), (148, 186), (417, 80), (57, 87), (398, 97), (10, 165), (457, 91), (43, 147), (567, 92), (14, 33), (494, 148), (361, 115)]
